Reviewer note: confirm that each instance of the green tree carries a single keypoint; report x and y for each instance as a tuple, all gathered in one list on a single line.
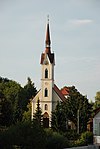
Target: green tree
[(10, 89), (5, 111), (12, 92), (38, 114), (75, 107), (30, 89), (77, 102), (97, 100), (27, 114), (17, 97), (58, 122)]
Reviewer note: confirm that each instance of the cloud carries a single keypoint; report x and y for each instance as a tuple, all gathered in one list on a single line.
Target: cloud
[(79, 22)]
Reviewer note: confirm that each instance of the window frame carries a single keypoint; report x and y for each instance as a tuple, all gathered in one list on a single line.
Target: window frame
[(46, 73), (46, 92)]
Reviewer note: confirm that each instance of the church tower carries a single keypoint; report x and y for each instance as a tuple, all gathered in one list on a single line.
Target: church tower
[(49, 93), (47, 80)]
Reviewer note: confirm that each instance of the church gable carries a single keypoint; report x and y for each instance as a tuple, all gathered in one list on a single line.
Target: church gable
[(57, 96), (59, 93)]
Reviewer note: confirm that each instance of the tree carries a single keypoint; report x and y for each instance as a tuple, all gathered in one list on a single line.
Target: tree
[(58, 122), (12, 92), (27, 114), (77, 102), (5, 111), (10, 89), (75, 107), (97, 100), (30, 89), (38, 114), (16, 97)]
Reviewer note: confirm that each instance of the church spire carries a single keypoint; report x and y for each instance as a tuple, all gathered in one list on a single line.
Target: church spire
[(47, 52), (47, 41)]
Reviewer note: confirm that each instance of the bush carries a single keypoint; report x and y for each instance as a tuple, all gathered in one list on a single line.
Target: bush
[(86, 138), (30, 135), (25, 135), (71, 135), (55, 140)]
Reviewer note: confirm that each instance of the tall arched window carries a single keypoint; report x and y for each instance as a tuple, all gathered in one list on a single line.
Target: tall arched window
[(46, 92), (46, 107), (46, 73)]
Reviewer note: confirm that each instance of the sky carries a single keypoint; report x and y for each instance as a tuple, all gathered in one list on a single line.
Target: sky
[(75, 38)]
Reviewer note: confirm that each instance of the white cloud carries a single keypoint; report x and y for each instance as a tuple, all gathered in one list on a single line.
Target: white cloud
[(79, 22)]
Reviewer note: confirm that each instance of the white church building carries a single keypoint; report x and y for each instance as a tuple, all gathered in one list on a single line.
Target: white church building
[(49, 93)]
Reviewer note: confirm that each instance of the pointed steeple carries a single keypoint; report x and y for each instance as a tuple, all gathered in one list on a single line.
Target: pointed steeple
[(47, 52), (47, 41)]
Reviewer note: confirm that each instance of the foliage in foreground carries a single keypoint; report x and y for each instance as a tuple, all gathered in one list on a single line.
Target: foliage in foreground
[(86, 138), (24, 135), (55, 140), (30, 135)]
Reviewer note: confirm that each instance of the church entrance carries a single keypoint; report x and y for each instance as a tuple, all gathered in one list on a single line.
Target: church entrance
[(45, 120)]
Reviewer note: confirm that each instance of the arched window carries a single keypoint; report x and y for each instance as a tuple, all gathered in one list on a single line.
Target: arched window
[(46, 73), (46, 93), (46, 107)]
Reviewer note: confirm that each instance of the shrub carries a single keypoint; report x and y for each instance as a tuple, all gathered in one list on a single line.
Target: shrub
[(55, 140), (25, 135), (71, 135), (86, 138)]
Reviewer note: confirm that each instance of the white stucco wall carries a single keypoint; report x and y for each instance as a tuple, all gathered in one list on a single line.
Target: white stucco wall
[(55, 99), (96, 128)]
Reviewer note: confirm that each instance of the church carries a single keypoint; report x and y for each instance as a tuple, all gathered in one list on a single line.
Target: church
[(49, 93)]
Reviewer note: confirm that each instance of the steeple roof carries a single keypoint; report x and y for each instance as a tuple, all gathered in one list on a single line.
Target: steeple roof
[(47, 46), (47, 40)]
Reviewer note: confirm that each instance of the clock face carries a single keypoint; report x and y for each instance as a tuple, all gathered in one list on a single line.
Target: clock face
[(46, 83)]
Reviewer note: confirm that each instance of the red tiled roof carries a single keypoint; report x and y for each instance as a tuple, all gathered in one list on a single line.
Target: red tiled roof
[(65, 91), (59, 93)]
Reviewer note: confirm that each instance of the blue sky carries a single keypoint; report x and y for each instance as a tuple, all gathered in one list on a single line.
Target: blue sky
[(75, 35)]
